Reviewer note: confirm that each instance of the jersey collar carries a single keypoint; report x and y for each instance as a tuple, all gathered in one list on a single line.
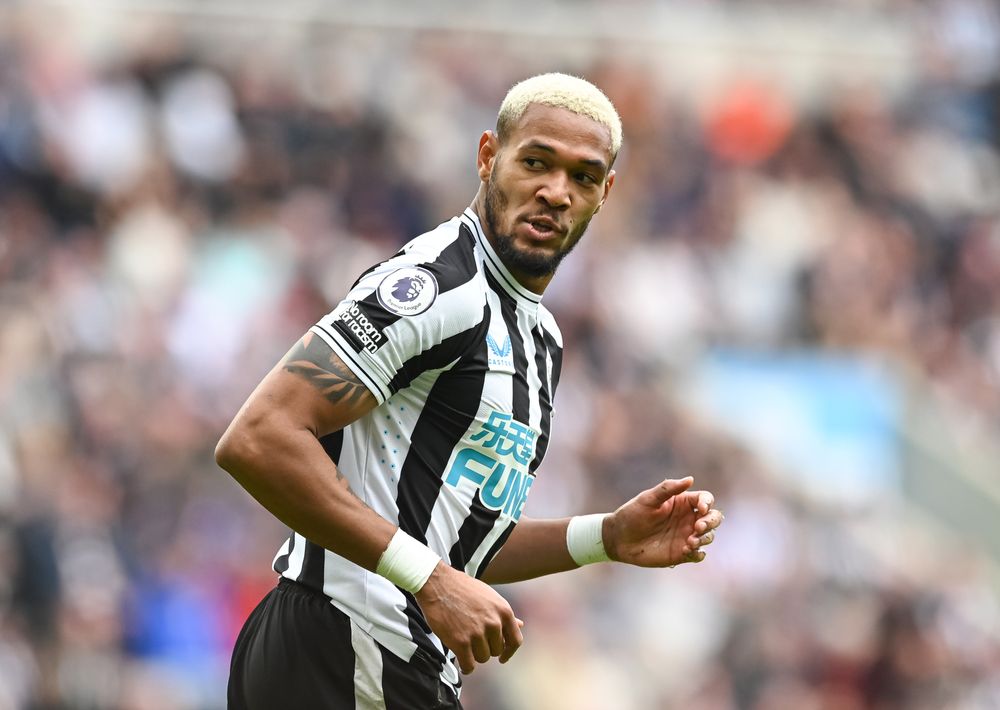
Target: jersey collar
[(493, 263)]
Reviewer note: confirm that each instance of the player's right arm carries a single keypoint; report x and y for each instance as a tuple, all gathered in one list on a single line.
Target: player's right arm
[(272, 448)]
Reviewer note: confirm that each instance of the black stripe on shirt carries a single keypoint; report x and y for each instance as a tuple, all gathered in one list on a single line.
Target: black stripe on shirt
[(428, 652), (440, 354), (312, 566), (333, 445), (521, 396), (450, 409), (495, 549), (476, 526), (480, 521), (281, 564), (544, 343), (544, 398), (453, 267), (555, 352), (312, 561)]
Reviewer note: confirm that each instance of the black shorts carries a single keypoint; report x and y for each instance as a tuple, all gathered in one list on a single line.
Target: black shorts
[(297, 650)]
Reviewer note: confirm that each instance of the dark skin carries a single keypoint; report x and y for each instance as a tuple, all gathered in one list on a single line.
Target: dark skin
[(544, 183)]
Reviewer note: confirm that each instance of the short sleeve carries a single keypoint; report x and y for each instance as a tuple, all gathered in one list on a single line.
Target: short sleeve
[(399, 315)]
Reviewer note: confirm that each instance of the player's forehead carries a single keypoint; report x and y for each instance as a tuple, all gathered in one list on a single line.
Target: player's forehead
[(572, 135)]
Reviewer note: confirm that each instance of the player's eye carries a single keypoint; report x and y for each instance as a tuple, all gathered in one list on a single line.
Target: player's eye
[(533, 163), (586, 178)]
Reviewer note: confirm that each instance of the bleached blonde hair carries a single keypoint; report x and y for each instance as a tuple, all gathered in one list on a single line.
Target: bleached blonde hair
[(561, 91)]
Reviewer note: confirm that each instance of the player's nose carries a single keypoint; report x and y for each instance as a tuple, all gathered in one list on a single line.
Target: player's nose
[(554, 191)]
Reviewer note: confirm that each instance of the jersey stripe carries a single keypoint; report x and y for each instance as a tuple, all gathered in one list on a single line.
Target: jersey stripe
[(281, 561), (333, 444), (312, 563), (420, 631), (312, 566), (454, 266), (555, 352), (457, 262), (522, 407), (476, 526), (440, 355), (494, 549), (542, 359), (451, 407), (542, 374), (480, 522), (296, 556)]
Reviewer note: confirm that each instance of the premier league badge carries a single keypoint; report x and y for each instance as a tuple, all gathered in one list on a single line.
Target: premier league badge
[(408, 291)]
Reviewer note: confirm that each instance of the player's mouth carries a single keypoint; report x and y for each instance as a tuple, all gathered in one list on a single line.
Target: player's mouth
[(544, 228)]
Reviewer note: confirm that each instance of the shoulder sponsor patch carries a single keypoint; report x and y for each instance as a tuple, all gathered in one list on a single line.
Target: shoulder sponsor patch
[(408, 291), (359, 331)]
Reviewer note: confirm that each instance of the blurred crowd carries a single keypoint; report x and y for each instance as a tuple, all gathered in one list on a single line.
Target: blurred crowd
[(174, 215)]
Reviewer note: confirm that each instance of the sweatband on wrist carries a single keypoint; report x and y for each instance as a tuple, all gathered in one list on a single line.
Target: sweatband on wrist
[(406, 562), (584, 539)]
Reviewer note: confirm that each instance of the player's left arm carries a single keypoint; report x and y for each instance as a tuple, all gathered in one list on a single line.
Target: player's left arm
[(663, 526)]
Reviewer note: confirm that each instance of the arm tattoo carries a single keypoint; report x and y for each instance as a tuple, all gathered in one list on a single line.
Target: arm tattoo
[(314, 361)]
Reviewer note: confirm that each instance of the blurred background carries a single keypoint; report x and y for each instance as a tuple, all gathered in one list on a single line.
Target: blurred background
[(793, 294)]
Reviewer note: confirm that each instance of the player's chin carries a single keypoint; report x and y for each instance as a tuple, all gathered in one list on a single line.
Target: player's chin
[(537, 259), (552, 245)]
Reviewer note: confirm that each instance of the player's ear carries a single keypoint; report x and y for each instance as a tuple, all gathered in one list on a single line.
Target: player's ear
[(489, 146), (607, 188)]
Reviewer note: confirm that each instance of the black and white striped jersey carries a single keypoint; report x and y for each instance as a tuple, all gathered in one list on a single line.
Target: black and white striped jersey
[(464, 362)]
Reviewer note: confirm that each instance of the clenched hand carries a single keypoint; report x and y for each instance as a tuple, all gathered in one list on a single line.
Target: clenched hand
[(469, 617)]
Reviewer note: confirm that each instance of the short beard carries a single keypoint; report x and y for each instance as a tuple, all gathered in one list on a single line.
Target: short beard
[(531, 263)]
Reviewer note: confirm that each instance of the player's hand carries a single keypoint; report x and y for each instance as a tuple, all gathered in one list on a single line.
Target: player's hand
[(664, 526), (469, 617)]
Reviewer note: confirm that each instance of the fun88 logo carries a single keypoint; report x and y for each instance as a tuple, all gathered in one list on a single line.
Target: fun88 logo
[(499, 466)]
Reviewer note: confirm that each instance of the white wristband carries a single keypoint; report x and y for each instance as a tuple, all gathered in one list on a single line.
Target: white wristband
[(407, 563), (585, 540)]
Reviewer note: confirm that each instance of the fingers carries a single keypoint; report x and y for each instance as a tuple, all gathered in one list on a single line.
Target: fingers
[(502, 640), (695, 543), (667, 489), (481, 649), (710, 521), (704, 531), (466, 661), (512, 639), (494, 637), (705, 502)]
